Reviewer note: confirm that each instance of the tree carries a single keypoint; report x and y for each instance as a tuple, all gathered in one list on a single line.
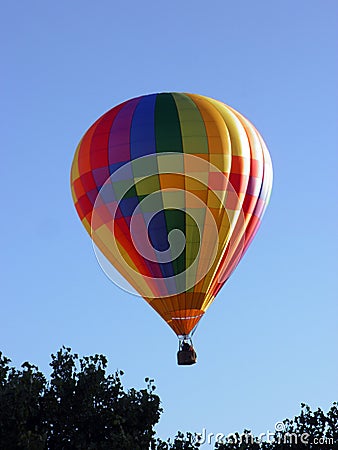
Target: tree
[(80, 408), (309, 430), (83, 407)]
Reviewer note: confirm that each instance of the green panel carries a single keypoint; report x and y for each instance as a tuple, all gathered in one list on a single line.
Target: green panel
[(167, 125), (192, 240), (130, 193), (168, 139), (195, 219), (194, 135)]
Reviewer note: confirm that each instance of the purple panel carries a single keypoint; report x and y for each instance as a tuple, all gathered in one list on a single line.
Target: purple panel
[(259, 208), (92, 195), (254, 186), (100, 176), (119, 138)]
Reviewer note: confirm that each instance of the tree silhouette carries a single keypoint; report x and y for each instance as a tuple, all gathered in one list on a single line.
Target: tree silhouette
[(80, 408), (83, 407)]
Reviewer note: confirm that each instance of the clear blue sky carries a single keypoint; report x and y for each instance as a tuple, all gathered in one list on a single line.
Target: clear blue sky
[(270, 339)]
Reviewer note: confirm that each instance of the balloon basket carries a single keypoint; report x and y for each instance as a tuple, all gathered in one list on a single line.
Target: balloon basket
[(186, 355)]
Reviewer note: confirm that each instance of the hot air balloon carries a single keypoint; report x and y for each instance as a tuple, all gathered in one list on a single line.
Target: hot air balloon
[(172, 188)]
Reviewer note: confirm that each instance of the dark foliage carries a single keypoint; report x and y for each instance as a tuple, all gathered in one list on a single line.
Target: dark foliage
[(309, 430), (83, 407), (80, 408)]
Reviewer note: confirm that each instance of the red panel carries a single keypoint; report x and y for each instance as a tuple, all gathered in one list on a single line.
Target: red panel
[(237, 164), (249, 204), (231, 201), (238, 181), (84, 151), (88, 181), (85, 204), (256, 168), (78, 188), (99, 159), (79, 210), (217, 181), (100, 138), (122, 235), (251, 231)]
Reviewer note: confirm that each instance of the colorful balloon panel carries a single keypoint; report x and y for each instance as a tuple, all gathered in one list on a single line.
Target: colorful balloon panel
[(172, 188)]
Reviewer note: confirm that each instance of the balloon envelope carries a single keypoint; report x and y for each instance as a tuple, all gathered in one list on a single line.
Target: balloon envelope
[(172, 188)]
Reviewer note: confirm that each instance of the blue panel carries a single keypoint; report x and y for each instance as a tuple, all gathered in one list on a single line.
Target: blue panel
[(116, 166), (157, 230), (158, 235), (142, 143), (142, 131), (127, 206)]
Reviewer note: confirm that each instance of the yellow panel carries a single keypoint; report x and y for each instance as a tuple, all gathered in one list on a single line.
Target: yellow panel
[(222, 162), (216, 128), (87, 226), (195, 185), (252, 133), (173, 197), (74, 197), (220, 155), (215, 199), (170, 163), (238, 137), (75, 166)]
